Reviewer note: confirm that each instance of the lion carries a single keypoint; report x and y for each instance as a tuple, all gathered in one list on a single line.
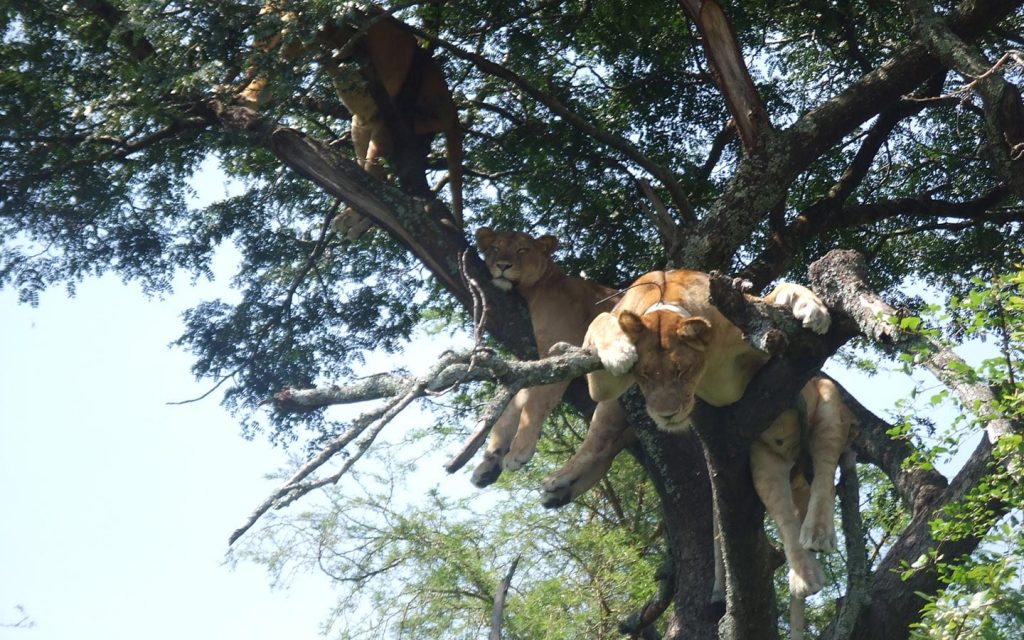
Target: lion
[(665, 336), (561, 308), (406, 72)]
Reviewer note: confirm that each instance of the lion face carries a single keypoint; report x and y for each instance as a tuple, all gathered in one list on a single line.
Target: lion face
[(671, 356), (515, 258)]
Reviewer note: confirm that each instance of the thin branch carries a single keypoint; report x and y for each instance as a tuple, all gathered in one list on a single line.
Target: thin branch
[(857, 568), (499, 600), (484, 424)]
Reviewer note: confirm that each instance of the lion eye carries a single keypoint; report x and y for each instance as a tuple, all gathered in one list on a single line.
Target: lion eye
[(521, 250)]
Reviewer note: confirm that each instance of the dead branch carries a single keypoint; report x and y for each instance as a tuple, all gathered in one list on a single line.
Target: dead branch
[(730, 71), (453, 369)]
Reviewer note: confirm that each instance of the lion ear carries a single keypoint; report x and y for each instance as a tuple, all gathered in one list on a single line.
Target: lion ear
[(547, 244), (695, 328), (631, 325), (484, 237)]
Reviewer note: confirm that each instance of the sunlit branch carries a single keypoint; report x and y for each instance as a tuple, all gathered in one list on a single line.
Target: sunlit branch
[(570, 362), (876, 320)]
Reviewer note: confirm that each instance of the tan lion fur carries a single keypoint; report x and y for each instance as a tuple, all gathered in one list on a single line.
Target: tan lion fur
[(561, 307), (665, 336)]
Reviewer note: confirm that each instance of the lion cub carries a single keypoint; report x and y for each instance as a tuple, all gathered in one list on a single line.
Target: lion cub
[(666, 336), (561, 307)]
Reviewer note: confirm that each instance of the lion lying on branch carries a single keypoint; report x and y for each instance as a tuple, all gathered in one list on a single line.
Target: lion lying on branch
[(666, 337), (561, 307)]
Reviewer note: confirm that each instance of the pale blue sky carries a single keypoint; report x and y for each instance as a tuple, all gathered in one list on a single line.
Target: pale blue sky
[(117, 507)]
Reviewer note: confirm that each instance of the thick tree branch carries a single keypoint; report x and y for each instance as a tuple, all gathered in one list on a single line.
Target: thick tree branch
[(430, 236), (730, 71), (828, 216), (875, 319)]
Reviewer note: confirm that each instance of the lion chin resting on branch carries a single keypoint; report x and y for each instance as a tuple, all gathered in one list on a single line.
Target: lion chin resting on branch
[(665, 336), (561, 307), (371, 59)]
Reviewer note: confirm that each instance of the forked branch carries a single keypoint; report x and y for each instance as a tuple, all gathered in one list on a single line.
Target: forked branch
[(400, 392)]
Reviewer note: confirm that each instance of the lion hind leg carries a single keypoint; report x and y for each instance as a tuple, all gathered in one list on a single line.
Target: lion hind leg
[(830, 430), (771, 481), (539, 404)]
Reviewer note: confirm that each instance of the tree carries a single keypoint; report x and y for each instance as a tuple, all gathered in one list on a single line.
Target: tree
[(747, 139)]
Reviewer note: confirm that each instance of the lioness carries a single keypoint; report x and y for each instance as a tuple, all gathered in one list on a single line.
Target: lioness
[(406, 72), (561, 307), (666, 336)]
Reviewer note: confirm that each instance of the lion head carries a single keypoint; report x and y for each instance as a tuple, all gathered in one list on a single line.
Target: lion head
[(515, 258), (671, 351)]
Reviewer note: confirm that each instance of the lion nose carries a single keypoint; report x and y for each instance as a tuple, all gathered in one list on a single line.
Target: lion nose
[(503, 265)]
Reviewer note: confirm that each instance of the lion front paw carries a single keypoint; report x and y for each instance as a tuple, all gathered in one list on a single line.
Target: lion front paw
[(618, 357), (805, 576), (812, 314)]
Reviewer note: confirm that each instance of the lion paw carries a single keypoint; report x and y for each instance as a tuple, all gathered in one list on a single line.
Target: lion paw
[(818, 536), (487, 471), (558, 489), (812, 314), (618, 357), (556, 498), (513, 461), (805, 576)]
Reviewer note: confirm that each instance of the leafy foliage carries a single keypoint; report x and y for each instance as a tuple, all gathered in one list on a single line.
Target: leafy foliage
[(113, 111)]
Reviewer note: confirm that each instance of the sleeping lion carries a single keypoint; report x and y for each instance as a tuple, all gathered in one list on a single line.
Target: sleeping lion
[(561, 307), (665, 336)]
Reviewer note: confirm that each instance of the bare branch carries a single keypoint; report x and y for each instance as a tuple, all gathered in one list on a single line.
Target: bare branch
[(570, 362), (730, 71), (499, 600), (857, 568), (484, 424)]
